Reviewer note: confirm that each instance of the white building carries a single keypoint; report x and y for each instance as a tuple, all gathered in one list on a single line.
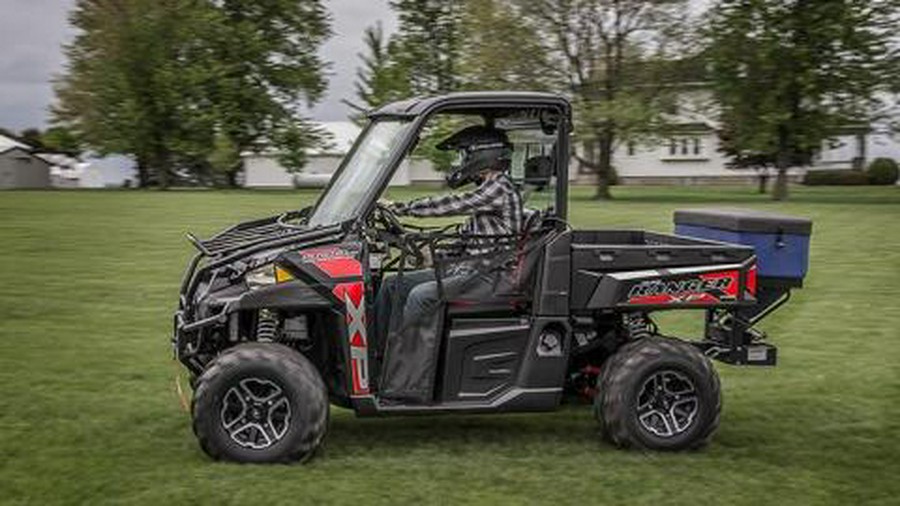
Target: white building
[(689, 155), (19, 168), (262, 170), (65, 171)]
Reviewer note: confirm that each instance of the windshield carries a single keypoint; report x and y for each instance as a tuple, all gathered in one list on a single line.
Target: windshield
[(348, 192)]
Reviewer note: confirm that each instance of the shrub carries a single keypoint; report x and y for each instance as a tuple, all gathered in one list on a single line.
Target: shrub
[(835, 178), (883, 171)]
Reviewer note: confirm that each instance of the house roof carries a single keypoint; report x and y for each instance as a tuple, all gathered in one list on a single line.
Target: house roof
[(7, 143), (60, 160)]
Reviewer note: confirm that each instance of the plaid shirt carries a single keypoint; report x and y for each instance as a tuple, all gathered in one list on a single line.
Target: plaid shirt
[(495, 208)]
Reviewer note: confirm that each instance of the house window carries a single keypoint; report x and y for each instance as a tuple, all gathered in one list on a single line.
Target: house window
[(631, 148), (686, 148)]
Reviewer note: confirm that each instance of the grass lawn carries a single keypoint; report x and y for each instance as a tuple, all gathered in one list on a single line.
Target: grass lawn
[(88, 413)]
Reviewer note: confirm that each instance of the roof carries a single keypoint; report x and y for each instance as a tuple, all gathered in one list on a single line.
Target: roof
[(7, 143), (61, 160), (478, 99)]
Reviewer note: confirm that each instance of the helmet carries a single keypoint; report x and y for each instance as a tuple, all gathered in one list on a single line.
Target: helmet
[(480, 148)]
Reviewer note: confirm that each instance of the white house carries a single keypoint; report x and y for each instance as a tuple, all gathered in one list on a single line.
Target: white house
[(65, 171), (262, 170), (688, 154)]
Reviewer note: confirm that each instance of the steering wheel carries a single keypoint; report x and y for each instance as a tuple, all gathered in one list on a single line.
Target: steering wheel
[(388, 219), (399, 235)]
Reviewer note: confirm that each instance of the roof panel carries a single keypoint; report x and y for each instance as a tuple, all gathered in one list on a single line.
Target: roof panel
[(424, 105)]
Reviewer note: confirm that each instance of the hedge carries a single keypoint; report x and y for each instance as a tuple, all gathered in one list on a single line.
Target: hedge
[(835, 178), (883, 171)]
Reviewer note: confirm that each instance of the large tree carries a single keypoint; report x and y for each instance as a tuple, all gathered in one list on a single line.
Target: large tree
[(382, 77), (267, 73), (421, 58), (790, 74), (442, 46), (428, 40), (608, 54), (186, 85), (122, 88), (499, 52)]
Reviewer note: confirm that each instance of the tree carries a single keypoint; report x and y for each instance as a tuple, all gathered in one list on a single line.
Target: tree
[(33, 138), (176, 82), (382, 78), (428, 43), (499, 52), (447, 46), (127, 73), (61, 139), (789, 74), (610, 56), (420, 59), (267, 72)]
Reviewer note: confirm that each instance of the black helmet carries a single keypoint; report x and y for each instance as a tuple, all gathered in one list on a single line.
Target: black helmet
[(480, 148)]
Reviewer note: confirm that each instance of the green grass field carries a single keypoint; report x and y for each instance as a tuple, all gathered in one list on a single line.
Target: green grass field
[(88, 412)]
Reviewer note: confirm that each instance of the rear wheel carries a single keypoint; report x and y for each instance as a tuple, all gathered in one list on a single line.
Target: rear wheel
[(260, 403), (658, 393)]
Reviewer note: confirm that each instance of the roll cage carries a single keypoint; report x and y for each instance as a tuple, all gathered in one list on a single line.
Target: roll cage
[(548, 108)]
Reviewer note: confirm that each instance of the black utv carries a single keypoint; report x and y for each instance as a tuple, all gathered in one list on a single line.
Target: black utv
[(275, 316)]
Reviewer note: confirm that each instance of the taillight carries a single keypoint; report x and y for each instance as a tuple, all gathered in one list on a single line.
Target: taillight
[(751, 280)]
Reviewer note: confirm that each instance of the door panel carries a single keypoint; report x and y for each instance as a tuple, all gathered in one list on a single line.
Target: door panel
[(481, 357)]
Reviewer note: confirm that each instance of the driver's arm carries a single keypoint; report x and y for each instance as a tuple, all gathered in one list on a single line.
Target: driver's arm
[(483, 198)]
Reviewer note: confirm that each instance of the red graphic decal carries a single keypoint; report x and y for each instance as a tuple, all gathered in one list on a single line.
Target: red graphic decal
[(710, 288), (354, 291), (340, 267), (354, 297), (730, 287), (334, 261)]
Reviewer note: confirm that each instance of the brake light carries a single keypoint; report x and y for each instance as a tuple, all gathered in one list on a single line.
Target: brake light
[(751, 280)]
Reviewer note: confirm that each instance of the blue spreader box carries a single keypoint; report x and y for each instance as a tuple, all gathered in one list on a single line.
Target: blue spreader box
[(781, 242)]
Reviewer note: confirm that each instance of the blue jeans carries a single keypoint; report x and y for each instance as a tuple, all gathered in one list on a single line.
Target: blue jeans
[(394, 288), (411, 337)]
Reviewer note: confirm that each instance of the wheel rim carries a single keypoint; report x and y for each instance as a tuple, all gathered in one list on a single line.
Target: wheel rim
[(255, 413), (667, 404)]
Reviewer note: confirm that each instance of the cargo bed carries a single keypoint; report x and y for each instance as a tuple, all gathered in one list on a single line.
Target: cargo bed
[(614, 268)]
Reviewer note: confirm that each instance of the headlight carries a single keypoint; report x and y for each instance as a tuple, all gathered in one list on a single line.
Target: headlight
[(260, 277), (267, 275)]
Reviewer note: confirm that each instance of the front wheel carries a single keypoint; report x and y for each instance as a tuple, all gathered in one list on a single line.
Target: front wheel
[(260, 403), (660, 394)]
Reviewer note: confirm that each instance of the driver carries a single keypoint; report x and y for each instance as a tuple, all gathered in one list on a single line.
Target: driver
[(494, 208)]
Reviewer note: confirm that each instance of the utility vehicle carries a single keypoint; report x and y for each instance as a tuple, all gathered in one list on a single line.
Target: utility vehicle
[(275, 316)]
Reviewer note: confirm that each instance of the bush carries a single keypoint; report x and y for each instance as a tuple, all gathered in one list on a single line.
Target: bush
[(883, 171), (835, 178)]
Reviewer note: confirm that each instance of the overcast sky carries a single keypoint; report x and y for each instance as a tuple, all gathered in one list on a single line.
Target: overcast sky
[(33, 31)]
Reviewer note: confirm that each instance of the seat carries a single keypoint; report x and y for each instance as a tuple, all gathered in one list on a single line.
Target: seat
[(515, 290)]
